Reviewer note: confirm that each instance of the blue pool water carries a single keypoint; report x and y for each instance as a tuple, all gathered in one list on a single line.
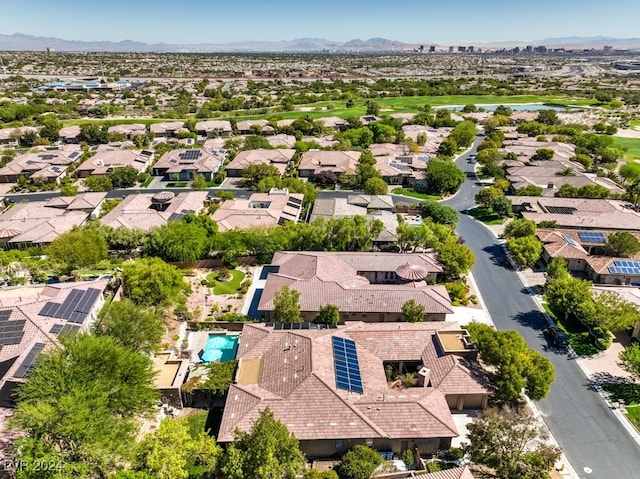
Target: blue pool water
[(220, 347)]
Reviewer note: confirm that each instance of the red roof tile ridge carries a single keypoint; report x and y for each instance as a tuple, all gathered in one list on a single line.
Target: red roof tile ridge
[(352, 407)]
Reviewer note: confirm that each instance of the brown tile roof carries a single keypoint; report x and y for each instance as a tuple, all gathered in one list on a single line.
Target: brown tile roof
[(297, 371), (278, 157), (336, 161), (462, 472), (332, 278)]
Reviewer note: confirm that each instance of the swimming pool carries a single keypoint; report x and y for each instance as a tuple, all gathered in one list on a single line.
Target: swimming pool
[(220, 347)]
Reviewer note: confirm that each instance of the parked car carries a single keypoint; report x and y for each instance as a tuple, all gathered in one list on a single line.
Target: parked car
[(558, 337)]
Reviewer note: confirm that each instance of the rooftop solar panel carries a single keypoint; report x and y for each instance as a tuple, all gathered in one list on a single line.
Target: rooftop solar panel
[(5, 314), (592, 236), (347, 367), (629, 264), (27, 364), (11, 332), (569, 240)]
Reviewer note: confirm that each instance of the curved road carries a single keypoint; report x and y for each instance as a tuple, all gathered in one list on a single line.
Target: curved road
[(592, 438)]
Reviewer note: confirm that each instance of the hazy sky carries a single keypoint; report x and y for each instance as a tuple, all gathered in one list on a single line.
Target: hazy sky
[(410, 21)]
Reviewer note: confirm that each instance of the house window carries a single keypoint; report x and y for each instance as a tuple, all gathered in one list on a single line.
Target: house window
[(338, 443)]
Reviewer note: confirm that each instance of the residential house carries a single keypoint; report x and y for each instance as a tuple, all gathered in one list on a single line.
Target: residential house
[(213, 128), (105, 161), (260, 209), (372, 207), (38, 223), (251, 127), (166, 129), (578, 213), (336, 387), (32, 321), (282, 141), (334, 122), (70, 134), (171, 373), (128, 130), (48, 166), (370, 287), (145, 211), (185, 164), (10, 136), (281, 158), (338, 162)]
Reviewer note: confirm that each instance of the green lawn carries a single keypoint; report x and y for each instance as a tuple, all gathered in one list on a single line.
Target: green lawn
[(226, 287), (146, 182), (414, 194), (630, 394), (579, 338), (631, 146), (177, 184), (486, 215)]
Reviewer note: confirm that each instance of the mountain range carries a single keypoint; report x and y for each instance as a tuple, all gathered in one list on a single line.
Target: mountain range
[(20, 41)]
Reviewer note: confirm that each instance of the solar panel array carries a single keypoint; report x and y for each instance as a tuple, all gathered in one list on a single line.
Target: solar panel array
[(347, 367), (27, 364), (569, 240), (289, 326), (74, 154), (190, 155), (64, 329), (11, 332), (592, 237), (75, 308), (625, 267), (561, 210)]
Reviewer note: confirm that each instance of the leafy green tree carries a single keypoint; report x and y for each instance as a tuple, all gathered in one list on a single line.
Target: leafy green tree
[(529, 190), (488, 156), (219, 377), (68, 189), (513, 443), (443, 176), (268, 451), (567, 191), (548, 117), (413, 312), (81, 406), (98, 183), (375, 186), (502, 206), (622, 243), (50, 128), (316, 474), (612, 312), (366, 169), (358, 137), (123, 177), (412, 237), (199, 183), (448, 148), (464, 133), (78, 248), (93, 134), (253, 174), (556, 268), (131, 326), (152, 282), (176, 452), (373, 108), (360, 462), (328, 314), (456, 259), (439, 213), (543, 154), (485, 196), (519, 228), (524, 250), (568, 295), (287, 306), (630, 360), (179, 241), (516, 365)]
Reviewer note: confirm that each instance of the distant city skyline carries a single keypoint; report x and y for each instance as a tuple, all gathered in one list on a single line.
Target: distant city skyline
[(408, 21)]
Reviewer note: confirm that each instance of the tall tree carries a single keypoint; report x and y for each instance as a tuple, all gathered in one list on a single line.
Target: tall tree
[(286, 306), (622, 243), (413, 312), (152, 282), (131, 326), (176, 452), (360, 462), (81, 405), (439, 213), (267, 451), (514, 444), (123, 177), (568, 295), (519, 228), (328, 314), (78, 248), (443, 176), (524, 250)]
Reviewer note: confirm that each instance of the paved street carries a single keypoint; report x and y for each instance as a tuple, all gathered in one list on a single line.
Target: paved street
[(590, 435)]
